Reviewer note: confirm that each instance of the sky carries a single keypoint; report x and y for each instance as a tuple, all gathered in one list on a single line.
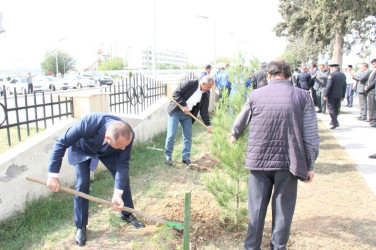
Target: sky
[(81, 27)]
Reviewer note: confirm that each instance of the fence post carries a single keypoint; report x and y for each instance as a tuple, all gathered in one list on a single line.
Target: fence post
[(187, 220)]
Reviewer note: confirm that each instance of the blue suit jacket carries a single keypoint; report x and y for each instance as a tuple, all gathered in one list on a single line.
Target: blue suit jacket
[(84, 140)]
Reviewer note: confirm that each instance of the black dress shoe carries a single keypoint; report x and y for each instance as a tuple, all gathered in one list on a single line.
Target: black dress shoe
[(81, 236), (361, 119), (188, 162), (132, 220), (372, 156), (169, 161), (319, 111), (334, 126)]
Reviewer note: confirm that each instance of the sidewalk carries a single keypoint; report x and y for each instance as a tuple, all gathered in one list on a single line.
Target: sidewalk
[(358, 138)]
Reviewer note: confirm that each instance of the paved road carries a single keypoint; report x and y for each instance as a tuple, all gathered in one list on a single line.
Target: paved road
[(359, 139)]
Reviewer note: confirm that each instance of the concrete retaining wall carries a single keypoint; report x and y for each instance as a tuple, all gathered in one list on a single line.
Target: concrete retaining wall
[(32, 157)]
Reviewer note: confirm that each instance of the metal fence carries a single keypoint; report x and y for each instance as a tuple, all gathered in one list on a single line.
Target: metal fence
[(135, 94), (189, 76), (34, 110)]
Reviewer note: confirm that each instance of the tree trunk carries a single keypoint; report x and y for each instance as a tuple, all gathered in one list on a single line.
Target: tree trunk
[(338, 46)]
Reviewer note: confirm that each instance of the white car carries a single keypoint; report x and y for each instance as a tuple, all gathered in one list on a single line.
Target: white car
[(78, 82), (46, 83), (19, 84)]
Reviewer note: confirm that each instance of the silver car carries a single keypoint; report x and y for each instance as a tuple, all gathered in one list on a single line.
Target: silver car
[(78, 81)]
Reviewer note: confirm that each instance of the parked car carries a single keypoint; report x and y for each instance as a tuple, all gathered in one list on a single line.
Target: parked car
[(17, 83), (78, 81), (104, 80), (45, 83)]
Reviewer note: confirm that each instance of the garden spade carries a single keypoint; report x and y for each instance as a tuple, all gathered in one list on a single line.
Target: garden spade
[(175, 225), (194, 117)]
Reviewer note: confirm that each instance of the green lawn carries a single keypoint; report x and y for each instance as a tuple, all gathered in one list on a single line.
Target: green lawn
[(14, 137)]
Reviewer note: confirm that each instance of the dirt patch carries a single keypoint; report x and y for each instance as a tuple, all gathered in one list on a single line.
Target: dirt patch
[(205, 222)]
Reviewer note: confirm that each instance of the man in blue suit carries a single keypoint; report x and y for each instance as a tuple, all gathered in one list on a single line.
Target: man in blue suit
[(95, 137)]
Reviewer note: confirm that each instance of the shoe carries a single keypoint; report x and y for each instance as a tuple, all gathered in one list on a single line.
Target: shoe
[(334, 126), (324, 111), (319, 111), (373, 126), (188, 162), (372, 156), (169, 161), (350, 106), (361, 119), (81, 236), (368, 120), (130, 219)]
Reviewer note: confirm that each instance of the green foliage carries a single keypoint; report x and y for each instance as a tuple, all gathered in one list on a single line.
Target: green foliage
[(116, 63), (223, 59), (291, 58), (8, 78), (229, 185), (191, 66), (64, 60), (312, 26)]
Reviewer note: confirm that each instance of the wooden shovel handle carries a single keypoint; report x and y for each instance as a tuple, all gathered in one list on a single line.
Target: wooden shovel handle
[(98, 200), (194, 117)]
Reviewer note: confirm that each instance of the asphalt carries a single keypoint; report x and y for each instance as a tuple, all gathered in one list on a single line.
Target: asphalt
[(358, 138)]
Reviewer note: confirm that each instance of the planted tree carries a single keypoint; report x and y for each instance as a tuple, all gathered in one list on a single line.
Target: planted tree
[(229, 184), (116, 63)]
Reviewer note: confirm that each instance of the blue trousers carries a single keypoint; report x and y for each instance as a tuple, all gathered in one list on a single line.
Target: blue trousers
[(186, 124), (349, 94), (81, 205)]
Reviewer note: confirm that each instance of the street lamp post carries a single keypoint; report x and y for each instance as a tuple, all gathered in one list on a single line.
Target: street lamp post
[(154, 46), (215, 36)]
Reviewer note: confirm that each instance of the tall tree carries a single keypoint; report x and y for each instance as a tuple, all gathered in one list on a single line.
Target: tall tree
[(330, 25), (64, 60)]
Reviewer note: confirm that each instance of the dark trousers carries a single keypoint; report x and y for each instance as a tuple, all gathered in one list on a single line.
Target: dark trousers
[(334, 105), (321, 103), (313, 94), (260, 188), (363, 105), (349, 94), (29, 88), (81, 205), (372, 108)]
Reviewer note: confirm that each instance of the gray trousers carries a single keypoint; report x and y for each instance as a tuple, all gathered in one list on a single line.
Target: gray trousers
[(260, 188), (363, 105), (321, 103), (372, 108)]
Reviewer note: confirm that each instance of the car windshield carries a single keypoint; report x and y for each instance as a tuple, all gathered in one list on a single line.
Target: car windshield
[(79, 77), (23, 80)]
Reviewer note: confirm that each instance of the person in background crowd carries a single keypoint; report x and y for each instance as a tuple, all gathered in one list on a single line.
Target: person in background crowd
[(321, 80), (350, 86), (276, 161), (335, 93), (223, 81), (362, 79), (304, 79), (313, 74), (370, 89), (259, 75), (294, 78), (207, 71), (29, 81)]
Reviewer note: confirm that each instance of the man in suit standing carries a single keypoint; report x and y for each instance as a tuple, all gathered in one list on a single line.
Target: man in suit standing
[(259, 75), (95, 137), (362, 81), (321, 80), (313, 75), (304, 79), (370, 89), (193, 95), (335, 93)]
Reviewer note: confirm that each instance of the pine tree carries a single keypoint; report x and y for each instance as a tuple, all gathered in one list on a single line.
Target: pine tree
[(229, 184)]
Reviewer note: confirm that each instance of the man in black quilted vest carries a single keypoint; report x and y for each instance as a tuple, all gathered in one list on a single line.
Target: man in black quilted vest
[(283, 145)]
